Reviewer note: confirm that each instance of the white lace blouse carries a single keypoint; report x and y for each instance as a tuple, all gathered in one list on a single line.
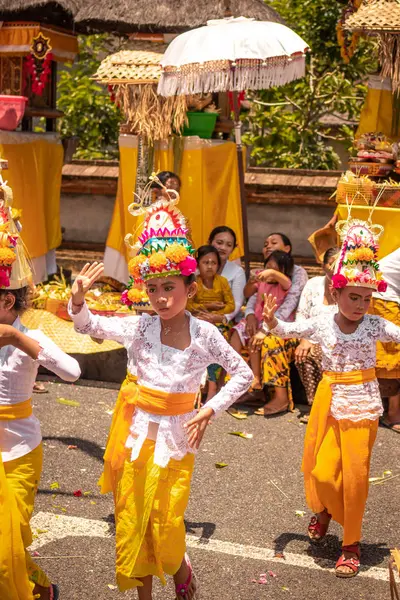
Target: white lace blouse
[(17, 375), (345, 353), (164, 368)]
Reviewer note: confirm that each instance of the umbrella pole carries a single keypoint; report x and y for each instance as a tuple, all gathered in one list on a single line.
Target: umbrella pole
[(243, 202)]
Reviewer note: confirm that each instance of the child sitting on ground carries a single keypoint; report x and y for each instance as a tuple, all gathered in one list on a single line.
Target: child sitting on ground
[(274, 280), (213, 300)]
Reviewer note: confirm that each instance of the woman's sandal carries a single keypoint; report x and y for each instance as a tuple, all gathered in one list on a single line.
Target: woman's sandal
[(181, 589), (352, 563), (316, 530)]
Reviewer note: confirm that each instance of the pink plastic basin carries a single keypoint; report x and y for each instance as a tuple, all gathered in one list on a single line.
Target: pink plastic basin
[(12, 110)]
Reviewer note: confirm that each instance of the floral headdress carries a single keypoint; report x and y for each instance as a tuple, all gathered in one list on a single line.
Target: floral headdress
[(357, 264), (15, 271), (164, 247)]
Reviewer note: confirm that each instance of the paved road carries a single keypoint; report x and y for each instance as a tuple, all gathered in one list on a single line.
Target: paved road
[(239, 517)]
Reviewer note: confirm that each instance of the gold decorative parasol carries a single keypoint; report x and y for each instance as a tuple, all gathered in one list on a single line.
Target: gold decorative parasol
[(133, 75)]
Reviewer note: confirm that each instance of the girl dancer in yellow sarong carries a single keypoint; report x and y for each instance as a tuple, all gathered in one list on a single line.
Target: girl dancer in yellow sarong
[(21, 451), (155, 432), (345, 414)]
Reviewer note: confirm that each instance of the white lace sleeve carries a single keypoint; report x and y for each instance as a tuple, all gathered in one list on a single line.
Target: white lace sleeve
[(304, 308), (117, 329), (241, 375), (251, 305), (298, 329), (388, 332), (237, 288), (291, 301), (54, 359)]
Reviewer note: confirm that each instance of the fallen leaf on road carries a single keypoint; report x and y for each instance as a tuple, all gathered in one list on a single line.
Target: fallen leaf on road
[(54, 485), (221, 465), (110, 412), (237, 414), (300, 513), (78, 493), (35, 553), (87, 493), (40, 531), (242, 434), (285, 589), (93, 502), (272, 574), (111, 586), (68, 402), (279, 555), (72, 447), (387, 473)]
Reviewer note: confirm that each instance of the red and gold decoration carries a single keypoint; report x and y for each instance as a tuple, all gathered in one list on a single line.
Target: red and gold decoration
[(347, 40), (40, 56)]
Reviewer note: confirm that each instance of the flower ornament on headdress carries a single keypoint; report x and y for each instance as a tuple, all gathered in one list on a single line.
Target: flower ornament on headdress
[(164, 248), (357, 264)]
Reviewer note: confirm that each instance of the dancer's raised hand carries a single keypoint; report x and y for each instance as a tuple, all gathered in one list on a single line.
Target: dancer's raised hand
[(84, 281), (270, 307)]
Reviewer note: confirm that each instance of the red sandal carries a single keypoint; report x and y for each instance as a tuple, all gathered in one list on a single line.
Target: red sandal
[(353, 563), (181, 589), (316, 530)]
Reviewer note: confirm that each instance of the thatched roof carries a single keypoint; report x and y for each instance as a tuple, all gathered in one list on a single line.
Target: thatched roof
[(55, 12), (167, 15), (376, 16)]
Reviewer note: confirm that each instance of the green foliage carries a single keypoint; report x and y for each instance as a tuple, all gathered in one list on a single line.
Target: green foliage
[(284, 125), (88, 111)]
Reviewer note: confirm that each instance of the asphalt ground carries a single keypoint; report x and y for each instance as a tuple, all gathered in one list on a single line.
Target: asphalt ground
[(246, 519)]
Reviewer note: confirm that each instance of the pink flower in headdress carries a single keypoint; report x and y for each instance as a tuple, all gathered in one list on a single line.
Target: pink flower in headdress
[(124, 298), (4, 279), (365, 277), (339, 281), (382, 286), (188, 266)]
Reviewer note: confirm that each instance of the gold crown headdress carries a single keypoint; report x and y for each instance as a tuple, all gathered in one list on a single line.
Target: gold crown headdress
[(15, 270), (357, 264), (164, 247)]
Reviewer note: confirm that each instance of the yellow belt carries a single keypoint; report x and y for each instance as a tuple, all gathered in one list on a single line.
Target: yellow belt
[(152, 401), (22, 410)]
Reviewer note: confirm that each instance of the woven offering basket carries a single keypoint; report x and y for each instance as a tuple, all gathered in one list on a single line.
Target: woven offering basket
[(389, 196), (357, 192), (371, 169)]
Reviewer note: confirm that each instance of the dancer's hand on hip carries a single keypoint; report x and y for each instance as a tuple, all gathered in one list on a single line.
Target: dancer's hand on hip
[(196, 427), (84, 281)]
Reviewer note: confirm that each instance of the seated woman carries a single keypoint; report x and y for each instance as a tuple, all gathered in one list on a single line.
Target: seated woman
[(278, 269), (224, 240), (278, 354), (316, 299), (212, 302)]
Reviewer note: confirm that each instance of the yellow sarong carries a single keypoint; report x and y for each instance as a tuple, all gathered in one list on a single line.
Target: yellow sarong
[(337, 457), (150, 501)]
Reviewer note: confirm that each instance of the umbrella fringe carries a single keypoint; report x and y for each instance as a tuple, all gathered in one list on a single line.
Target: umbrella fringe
[(237, 79)]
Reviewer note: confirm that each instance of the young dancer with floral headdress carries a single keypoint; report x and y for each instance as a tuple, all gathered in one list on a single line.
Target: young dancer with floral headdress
[(21, 452), (155, 432), (345, 414)]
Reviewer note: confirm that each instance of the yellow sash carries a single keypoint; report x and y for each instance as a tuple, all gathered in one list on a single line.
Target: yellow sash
[(131, 396), (318, 417), (22, 410)]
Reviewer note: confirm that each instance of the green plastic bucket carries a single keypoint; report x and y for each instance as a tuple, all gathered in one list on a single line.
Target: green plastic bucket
[(201, 124)]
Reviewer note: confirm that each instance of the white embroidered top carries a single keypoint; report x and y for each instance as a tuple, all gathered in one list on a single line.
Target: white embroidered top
[(312, 300), (345, 353), (164, 368), (17, 375)]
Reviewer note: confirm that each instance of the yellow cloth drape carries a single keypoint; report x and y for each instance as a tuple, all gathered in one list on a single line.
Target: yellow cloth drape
[(387, 353), (16, 40), (332, 479), (35, 164), (22, 410), (150, 504), (389, 218), (131, 396), (210, 194), (376, 114)]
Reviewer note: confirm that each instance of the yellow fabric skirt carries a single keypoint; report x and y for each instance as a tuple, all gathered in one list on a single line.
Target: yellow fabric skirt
[(150, 504), (19, 480), (388, 353), (276, 357)]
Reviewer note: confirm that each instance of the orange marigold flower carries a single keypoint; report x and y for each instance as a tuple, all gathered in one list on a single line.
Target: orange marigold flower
[(7, 257), (134, 265), (158, 260), (135, 295), (176, 253)]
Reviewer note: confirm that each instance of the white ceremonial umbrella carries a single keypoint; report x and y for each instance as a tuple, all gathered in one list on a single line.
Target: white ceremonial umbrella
[(234, 54)]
